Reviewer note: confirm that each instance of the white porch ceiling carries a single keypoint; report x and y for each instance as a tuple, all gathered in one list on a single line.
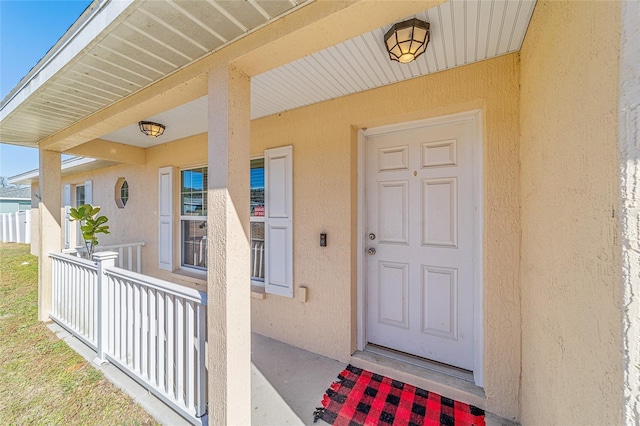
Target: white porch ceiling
[(462, 32), (119, 47), (151, 39)]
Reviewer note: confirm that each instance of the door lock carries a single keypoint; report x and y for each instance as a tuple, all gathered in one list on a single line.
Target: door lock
[(371, 251), (372, 236)]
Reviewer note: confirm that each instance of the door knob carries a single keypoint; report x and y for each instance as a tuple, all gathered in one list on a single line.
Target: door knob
[(371, 251)]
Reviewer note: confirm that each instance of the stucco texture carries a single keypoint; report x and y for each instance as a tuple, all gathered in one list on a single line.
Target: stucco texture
[(324, 139), (138, 220), (571, 295)]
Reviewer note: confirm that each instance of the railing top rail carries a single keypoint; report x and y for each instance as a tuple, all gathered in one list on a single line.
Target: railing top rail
[(112, 246), (166, 286), (74, 259)]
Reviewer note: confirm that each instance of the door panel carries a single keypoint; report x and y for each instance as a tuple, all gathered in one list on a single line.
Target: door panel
[(393, 212), (420, 209)]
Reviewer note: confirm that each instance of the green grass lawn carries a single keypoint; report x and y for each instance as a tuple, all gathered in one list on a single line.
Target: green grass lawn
[(42, 380)]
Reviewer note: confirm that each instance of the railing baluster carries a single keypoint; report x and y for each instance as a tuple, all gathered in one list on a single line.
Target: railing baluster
[(162, 341), (130, 258), (138, 259), (130, 324), (136, 327), (153, 332), (110, 315), (201, 377), (74, 292), (261, 269), (171, 347), (189, 354), (82, 290), (180, 344), (117, 328), (144, 333)]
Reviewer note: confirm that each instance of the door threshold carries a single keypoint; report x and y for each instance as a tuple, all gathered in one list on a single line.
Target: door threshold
[(427, 364), (450, 386)]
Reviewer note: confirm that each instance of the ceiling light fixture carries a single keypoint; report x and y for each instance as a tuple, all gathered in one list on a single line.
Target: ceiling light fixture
[(151, 129), (407, 40)]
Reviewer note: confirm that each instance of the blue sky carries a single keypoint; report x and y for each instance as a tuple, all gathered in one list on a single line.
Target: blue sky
[(28, 29)]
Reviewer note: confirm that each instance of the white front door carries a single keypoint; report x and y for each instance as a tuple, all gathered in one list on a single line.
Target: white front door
[(420, 241)]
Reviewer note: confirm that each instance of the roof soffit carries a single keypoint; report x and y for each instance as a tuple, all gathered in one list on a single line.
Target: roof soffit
[(140, 44)]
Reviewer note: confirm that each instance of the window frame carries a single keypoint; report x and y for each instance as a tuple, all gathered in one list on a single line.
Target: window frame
[(78, 232), (182, 218), (258, 219)]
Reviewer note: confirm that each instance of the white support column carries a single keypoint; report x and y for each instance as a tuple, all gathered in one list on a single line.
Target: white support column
[(50, 236), (229, 310)]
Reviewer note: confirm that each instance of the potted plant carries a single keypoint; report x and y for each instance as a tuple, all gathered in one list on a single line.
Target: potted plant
[(90, 225)]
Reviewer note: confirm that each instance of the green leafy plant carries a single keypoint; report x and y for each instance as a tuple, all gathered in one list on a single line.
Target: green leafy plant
[(90, 224)]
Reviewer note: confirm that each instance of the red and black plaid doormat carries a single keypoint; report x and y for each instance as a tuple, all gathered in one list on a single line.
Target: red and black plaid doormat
[(360, 397)]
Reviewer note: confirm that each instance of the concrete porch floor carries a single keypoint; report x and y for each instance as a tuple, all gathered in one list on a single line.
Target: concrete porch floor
[(287, 383)]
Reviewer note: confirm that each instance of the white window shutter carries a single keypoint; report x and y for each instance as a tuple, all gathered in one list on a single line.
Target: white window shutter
[(66, 195), (165, 216), (278, 168), (88, 192), (66, 200)]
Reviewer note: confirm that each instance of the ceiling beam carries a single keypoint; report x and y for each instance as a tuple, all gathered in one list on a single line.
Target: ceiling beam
[(110, 151)]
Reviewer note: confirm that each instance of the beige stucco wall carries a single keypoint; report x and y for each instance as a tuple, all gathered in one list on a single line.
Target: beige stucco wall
[(138, 220), (324, 139), (571, 291)]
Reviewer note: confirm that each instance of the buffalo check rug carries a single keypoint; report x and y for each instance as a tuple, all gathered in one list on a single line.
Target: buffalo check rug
[(360, 397)]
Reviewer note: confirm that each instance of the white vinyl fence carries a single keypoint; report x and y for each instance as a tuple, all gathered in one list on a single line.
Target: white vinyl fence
[(16, 227), (153, 330)]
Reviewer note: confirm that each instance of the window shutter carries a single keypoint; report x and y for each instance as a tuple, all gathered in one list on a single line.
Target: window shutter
[(66, 198), (88, 192), (278, 168), (165, 216), (66, 201)]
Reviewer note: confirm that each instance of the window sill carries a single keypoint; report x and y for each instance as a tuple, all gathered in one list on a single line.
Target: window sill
[(197, 278), (257, 292)]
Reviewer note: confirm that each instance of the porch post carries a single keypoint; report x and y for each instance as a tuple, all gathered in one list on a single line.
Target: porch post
[(105, 259), (50, 236), (229, 280)]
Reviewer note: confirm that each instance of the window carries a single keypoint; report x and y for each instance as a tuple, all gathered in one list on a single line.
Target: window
[(193, 217), (257, 222), (271, 217), (121, 192), (80, 200), (124, 193), (79, 195)]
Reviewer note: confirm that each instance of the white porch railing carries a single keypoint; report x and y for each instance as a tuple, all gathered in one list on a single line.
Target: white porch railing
[(129, 255), (153, 330), (257, 259), (74, 298)]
